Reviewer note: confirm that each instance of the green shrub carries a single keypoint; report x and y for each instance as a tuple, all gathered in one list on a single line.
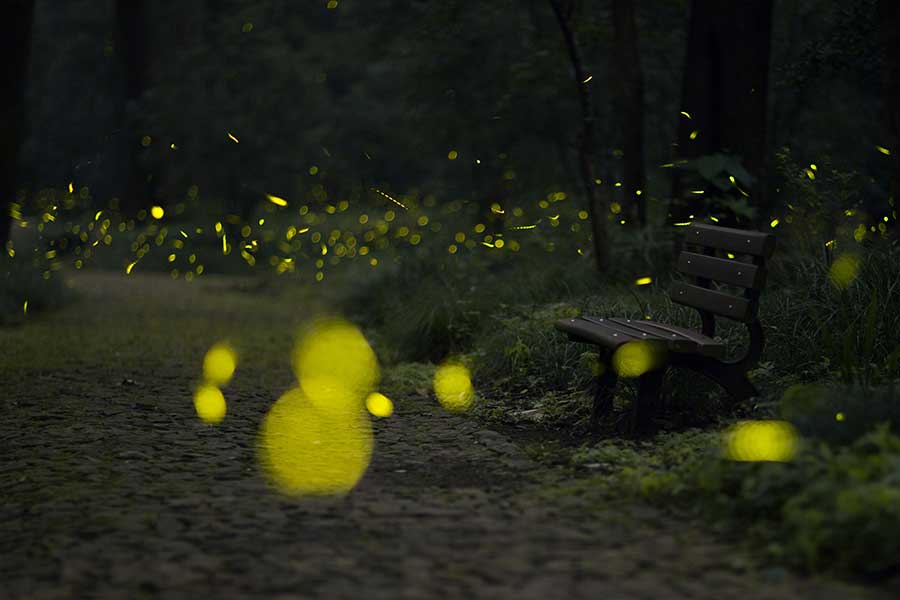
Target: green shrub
[(839, 415), (831, 510), (847, 516)]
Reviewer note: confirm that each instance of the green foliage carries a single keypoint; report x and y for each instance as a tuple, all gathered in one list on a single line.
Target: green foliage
[(721, 177), (839, 415), (847, 516), (851, 334), (824, 204), (832, 510), (408, 379)]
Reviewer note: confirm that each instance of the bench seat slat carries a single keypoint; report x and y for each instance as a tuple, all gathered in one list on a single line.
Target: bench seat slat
[(754, 243), (612, 333), (597, 331), (721, 269), (718, 303), (673, 340), (680, 336)]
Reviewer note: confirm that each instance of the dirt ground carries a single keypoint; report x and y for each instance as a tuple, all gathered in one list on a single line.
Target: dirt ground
[(111, 487)]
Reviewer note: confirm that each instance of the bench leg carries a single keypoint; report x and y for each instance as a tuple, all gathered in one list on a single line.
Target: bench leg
[(603, 396), (648, 399), (732, 378), (737, 385)]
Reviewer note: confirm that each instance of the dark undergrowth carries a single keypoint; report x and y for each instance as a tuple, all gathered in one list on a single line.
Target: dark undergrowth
[(27, 290), (830, 369)]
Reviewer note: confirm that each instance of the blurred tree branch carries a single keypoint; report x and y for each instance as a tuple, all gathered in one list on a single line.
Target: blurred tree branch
[(565, 11)]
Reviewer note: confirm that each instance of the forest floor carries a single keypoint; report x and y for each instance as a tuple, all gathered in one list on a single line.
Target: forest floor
[(113, 488)]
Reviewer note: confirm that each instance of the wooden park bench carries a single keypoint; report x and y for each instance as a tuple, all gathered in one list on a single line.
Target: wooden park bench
[(740, 263)]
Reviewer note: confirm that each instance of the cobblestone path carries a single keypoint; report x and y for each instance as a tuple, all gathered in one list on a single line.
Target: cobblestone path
[(110, 487)]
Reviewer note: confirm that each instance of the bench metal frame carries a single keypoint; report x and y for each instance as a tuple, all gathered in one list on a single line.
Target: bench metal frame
[(744, 266)]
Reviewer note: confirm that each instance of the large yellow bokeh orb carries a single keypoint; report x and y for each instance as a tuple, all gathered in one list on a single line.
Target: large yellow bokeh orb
[(209, 404), (844, 270), (304, 450), (636, 358), (334, 363), (219, 364), (775, 441), (453, 387)]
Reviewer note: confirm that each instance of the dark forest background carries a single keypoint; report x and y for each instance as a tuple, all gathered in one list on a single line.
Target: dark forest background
[(134, 100)]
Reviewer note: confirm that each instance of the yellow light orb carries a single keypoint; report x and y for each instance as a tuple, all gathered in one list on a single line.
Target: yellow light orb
[(219, 364), (379, 405), (453, 387), (774, 441), (157, 212), (335, 364), (636, 358), (209, 404), (305, 450), (844, 270)]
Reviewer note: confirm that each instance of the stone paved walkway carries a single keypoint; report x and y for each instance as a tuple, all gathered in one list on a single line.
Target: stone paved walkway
[(110, 487)]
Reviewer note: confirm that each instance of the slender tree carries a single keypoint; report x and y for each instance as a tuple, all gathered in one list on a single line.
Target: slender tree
[(15, 44), (628, 83), (889, 19), (725, 85), (132, 50), (597, 205)]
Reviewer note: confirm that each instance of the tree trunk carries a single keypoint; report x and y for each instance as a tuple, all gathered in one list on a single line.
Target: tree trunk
[(597, 207), (628, 82), (131, 46), (15, 44), (724, 90), (889, 20)]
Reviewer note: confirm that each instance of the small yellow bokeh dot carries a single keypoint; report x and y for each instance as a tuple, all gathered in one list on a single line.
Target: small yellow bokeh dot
[(157, 212), (774, 441), (453, 387), (840, 417), (146, 141), (379, 405), (219, 364), (209, 404), (453, 155)]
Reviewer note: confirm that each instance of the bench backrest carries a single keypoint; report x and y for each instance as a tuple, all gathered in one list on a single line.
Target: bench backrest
[(747, 270)]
